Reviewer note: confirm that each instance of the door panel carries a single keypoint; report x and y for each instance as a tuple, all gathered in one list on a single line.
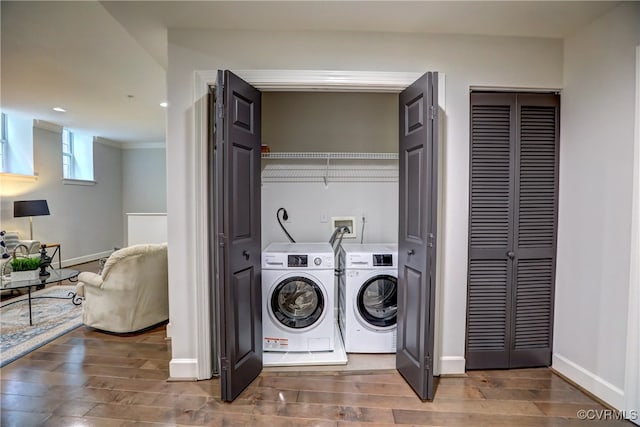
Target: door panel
[(491, 193), (536, 193), (414, 178), (245, 332), (417, 233), (242, 188), (238, 141)]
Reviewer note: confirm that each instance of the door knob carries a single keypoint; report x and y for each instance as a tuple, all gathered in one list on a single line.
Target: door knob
[(411, 252), (511, 254), (246, 254)]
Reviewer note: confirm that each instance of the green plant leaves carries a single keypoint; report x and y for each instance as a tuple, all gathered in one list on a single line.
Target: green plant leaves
[(25, 264)]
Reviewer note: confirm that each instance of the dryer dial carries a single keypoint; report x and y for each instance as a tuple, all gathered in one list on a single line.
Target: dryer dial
[(317, 261)]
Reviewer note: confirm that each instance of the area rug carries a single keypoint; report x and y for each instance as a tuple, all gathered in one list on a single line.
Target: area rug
[(51, 319)]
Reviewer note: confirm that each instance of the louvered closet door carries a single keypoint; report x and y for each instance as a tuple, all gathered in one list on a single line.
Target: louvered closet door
[(512, 229), (490, 231), (536, 225)]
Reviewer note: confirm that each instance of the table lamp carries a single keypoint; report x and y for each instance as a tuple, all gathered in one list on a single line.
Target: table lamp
[(30, 208)]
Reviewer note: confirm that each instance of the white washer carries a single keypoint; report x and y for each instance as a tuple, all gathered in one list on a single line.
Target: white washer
[(298, 297), (368, 297)]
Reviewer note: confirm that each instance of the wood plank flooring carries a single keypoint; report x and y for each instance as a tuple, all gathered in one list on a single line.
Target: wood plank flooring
[(87, 378)]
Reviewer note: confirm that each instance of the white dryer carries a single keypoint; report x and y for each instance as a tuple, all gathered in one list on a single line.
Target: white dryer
[(298, 297), (368, 292)]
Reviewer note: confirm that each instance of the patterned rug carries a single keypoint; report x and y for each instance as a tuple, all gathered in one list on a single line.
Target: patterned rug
[(51, 319)]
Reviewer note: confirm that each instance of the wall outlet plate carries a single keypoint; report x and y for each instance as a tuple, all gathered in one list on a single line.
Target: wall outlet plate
[(348, 221)]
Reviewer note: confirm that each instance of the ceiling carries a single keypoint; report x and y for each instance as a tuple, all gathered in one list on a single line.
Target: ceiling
[(105, 62)]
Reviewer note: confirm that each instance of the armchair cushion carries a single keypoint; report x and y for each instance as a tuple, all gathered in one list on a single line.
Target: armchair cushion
[(131, 293)]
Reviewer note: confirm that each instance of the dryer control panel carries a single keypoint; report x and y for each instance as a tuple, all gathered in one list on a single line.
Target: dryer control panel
[(289, 261)]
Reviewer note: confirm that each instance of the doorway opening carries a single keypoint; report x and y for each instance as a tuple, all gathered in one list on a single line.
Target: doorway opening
[(417, 226)]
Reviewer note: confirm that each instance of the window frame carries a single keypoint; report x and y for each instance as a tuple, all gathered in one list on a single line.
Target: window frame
[(67, 155), (4, 142)]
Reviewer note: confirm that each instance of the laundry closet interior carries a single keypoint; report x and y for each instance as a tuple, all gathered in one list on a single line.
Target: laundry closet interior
[(331, 156)]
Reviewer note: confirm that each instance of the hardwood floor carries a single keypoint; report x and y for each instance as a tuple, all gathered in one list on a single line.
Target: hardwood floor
[(87, 378)]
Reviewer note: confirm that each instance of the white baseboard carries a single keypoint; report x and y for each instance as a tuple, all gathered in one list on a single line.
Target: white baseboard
[(450, 365), (168, 329), (599, 387), (186, 369), (82, 259)]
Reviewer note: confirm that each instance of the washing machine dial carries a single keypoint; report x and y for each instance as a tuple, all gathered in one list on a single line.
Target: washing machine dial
[(317, 260)]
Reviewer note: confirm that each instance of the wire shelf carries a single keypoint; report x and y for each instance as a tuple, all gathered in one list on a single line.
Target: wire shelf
[(330, 156), (332, 173)]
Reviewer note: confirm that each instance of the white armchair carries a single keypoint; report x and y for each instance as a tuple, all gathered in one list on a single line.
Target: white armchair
[(131, 293)]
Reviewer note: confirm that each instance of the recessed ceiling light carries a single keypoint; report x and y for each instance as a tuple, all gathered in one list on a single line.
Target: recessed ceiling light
[(164, 104), (59, 109)]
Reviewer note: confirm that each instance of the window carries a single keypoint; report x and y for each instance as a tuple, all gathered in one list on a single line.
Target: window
[(67, 154), (16, 144), (77, 156), (4, 142)]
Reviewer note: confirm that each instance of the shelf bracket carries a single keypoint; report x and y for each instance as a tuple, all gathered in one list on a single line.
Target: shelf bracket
[(326, 173)]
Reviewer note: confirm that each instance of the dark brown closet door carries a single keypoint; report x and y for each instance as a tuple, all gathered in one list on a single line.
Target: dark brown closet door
[(417, 233), (238, 140), (512, 229)]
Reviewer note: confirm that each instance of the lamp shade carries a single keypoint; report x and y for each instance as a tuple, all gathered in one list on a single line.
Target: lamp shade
[(30, 208)]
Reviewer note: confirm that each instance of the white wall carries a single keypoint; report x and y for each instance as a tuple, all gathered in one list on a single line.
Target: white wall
[(596, 169), (329, 121), (632, 374), (144, 178), (466, 61), (85, 220), (306, 203)]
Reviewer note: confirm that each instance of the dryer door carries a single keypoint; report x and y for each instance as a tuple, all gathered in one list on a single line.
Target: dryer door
[(297, 302), (377, 301)]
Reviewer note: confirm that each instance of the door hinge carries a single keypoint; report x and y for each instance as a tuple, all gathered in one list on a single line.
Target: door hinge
[(427, 363), (430, 239), (220, 112), (221, 240), (224, 364), (433, 112)]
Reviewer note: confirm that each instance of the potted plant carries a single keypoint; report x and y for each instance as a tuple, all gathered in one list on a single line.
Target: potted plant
[(24, 268)]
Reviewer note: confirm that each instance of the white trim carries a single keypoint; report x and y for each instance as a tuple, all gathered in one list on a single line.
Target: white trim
[(280, 80), (84, 258), (70, 181), (632, 370), (203, 295), (514, 89), (51, 127), (328, 80), (146, 214), (143, 145), (183, 369), (107, 142), (17, 177), (589, 381), (451, 365)]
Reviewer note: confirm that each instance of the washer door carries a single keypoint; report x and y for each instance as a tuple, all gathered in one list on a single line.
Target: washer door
[(377, 301), (297, 302)]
